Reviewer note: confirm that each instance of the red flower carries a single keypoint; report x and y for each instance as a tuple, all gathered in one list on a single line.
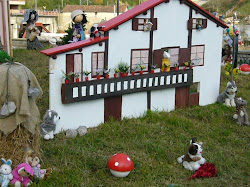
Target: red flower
[(206, 170)]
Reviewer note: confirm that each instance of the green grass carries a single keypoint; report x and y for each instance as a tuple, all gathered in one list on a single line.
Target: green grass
[(154, 142)]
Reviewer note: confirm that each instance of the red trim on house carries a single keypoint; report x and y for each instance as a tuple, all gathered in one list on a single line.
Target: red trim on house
[(73, 46), (150, 4)]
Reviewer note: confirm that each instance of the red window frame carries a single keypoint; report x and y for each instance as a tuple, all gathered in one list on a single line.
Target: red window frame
[(93, 71)]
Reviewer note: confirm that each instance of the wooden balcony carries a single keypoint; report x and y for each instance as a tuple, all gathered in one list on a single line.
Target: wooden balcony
[(97, 89)]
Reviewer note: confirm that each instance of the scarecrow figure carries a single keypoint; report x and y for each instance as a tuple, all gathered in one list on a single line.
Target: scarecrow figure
[(79, 19), (30, 17)]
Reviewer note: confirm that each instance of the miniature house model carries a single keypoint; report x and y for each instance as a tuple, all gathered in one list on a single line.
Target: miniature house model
[(139, 36)]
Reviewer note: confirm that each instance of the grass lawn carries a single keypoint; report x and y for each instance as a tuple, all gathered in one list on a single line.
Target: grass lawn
[(154, 142)]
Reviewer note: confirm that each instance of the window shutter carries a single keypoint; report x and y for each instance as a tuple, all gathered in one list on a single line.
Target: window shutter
[(190, 24), (204, 23), (185, 55), (70, 65), (158, 56), (135, 24), (154, 21)]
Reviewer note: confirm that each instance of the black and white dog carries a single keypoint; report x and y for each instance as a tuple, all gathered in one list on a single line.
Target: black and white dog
[(94, 31), (193, 159)]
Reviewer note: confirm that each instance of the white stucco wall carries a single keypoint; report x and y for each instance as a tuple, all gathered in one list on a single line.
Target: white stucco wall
[(209, 74), (163, 100), (88, 113), (172, 25), (124, 39), (134, 105)]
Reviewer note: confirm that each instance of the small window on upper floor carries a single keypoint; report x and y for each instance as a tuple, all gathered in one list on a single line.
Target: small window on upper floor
[(97, 63), (144, 24), (197, 23)]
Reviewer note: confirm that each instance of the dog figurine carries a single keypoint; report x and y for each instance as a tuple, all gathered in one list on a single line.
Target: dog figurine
[(95, 31), (48, 125), (241, 113), (228, 96), (193, 159)]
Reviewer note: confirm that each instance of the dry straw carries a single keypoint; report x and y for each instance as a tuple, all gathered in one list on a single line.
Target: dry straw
[(14, 146)]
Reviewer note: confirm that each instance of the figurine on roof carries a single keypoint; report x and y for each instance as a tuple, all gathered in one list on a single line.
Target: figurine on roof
[(30, 17), (79, 19), (95, 31)]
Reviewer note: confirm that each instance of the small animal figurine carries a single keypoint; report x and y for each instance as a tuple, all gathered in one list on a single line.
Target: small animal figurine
[(94, 31), (241, 113), (34, 162), (193, 159), (5, 173), (21, 175), (228, 96), (79, 19), (48, 125)]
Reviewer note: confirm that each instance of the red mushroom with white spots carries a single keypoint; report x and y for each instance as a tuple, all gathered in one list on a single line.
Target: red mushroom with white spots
[(245, 69), (120, 165)]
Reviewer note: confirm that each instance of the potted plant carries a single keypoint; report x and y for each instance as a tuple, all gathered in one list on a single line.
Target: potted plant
[(176, 66), (187, 65), (116, 72), (67, 77), (152, 68), (86, 73), (166, 67), (76, 76), (106, 73), (123, 67), (199, 26), (98, 76), (133, 71), (141, 67)]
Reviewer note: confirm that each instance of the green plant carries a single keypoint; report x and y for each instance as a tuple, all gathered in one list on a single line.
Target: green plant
[(4, 57), (123, 67), (86, 73), (116, 70), (67, 76), (141, 66)]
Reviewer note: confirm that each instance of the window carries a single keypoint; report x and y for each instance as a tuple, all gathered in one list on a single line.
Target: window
[(97, 63), (74, 64), (197, 55), (144, 24), (197, 23), (139, 57), (174, 55)]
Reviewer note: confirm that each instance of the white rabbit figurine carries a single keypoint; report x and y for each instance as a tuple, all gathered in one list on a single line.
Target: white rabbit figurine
[(5, 172)]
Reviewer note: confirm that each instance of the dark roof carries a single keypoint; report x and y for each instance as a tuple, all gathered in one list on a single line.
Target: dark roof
[(73, 46), (110, 24), (94, 8)]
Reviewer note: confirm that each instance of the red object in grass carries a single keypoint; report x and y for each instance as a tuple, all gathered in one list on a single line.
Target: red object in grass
[(245, 69), (66, 81), (77, 79), (115, 75), (98, 76), (206, 170), (86, 78), (152, 71), (120, 165), (106, 76)]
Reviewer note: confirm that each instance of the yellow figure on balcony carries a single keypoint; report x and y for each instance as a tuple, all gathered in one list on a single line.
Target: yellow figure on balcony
[(165, 62)]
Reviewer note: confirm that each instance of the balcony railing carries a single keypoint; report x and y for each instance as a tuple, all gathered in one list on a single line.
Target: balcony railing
[(96, 89)]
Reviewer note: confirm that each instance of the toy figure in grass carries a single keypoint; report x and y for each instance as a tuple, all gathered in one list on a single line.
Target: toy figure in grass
[(21, 175), (5, 172), (30, 17), (79, 19), (228, 96), (241, 114)]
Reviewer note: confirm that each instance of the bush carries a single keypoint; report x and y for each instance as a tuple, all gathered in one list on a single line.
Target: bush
[(4, 56)]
